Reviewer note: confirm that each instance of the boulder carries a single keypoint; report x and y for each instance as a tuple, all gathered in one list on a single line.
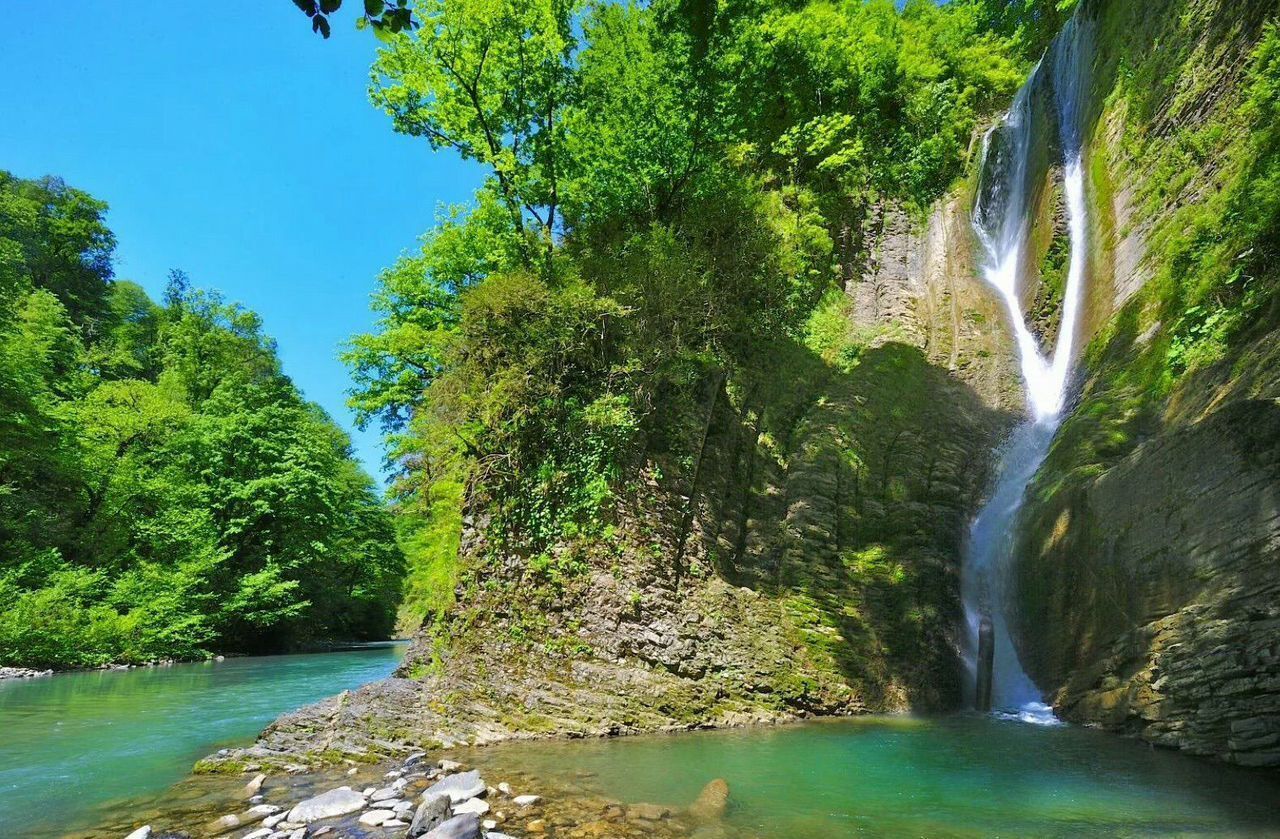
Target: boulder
[(466, 826), (335, 802), (431, 813), (472, 805), (458, 787)]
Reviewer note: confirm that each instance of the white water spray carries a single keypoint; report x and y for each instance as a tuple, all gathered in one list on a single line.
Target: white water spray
[(1002, 224)]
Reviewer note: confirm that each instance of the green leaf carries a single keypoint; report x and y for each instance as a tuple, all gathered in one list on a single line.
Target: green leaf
[(373, 8), (330, 6)]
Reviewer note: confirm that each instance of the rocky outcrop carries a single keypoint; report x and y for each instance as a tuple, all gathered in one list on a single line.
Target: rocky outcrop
[(796, 553), (1160, 581)]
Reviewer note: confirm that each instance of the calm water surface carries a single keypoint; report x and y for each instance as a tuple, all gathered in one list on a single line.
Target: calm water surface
[(967, 776), (73, 742)]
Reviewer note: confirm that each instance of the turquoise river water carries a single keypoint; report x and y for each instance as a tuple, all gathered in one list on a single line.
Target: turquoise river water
[(82, 748), (73, 743), (955, 776)]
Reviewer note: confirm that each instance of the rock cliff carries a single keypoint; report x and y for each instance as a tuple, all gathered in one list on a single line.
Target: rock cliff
[(803, 560), (1147, 569)]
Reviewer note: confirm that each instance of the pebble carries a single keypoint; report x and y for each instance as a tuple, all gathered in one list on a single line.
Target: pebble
[(373, 818), (449, 765), (272, 821), (504, 788), (526, 800), (536, 826)]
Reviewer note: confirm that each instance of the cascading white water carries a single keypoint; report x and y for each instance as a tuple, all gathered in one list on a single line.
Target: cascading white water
[(1002, 224)]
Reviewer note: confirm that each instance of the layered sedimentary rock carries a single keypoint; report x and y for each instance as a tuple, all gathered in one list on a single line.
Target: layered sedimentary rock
[(1147, 567), (804, 560)]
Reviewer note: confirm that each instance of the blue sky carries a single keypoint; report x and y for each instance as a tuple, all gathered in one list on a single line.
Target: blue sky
[(234, 144)]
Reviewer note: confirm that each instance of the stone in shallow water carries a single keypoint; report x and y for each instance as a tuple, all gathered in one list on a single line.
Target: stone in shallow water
[(712, 801), (143, 832), (466, 826), (383, 794), (649, 812), (260, 833), (335, 802), (526, 800), (373, 818), (458, 787), (472, 805), (431, 813), (253, 787)]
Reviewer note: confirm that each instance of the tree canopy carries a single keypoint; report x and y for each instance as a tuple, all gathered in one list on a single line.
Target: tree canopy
[(670, 187), (165, 490)]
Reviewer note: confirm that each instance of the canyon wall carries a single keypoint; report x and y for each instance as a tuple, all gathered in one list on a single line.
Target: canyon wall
[(1147, 568)]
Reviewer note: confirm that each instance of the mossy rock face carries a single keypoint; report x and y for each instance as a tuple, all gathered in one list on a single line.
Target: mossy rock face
[(792, 550), (1147, 565)]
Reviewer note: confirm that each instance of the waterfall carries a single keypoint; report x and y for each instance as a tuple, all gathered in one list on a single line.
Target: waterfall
[(1001, 221)]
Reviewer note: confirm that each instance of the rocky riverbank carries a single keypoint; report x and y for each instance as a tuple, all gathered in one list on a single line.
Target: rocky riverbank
[(22, 673), (421, 799)]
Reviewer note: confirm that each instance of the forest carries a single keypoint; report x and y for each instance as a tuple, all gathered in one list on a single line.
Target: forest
[(165, 490), (671, 187)]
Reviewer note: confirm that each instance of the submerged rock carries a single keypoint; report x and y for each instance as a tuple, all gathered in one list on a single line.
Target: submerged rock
[(255, 786), (143, 832), (712, 801), (336, 802)]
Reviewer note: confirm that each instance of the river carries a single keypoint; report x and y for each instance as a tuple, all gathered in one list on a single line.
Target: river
[(73, 744), (963, 775)]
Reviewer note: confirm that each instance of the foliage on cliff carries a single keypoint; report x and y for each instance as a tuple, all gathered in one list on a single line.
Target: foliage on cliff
[(670, 187), (165, 490), (1209, 179)]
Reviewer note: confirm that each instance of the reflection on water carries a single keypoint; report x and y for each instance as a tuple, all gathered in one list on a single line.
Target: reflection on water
[(69, 743), (902, 776)]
